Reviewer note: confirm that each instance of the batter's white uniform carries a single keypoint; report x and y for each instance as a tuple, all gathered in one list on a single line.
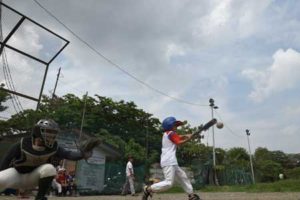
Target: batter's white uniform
[(172, 172)]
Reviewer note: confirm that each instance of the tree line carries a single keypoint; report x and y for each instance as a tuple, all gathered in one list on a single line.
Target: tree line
[(138, 133)]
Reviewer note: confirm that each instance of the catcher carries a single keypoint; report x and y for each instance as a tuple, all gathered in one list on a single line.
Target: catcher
[(28, 163)]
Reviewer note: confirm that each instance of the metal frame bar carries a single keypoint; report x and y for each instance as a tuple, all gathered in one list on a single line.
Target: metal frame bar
[(58, 52), (23, 53), (47, 63), (38, 24), (43, 84), (11, 33), (19, 94)]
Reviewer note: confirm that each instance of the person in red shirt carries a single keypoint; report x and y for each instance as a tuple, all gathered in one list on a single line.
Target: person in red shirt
[(62, 180)]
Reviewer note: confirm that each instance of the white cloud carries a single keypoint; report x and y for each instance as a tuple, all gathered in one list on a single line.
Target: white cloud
[(174, 50), (192, 50), (290, 130), (228, 21), (292, 111), (282, 75), (27, 40)]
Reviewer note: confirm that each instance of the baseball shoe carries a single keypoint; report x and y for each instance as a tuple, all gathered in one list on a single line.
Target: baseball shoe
[(41, 198), (146, 193), (194, 197)]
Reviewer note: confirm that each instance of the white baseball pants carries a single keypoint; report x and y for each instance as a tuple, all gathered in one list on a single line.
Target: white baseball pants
[(11, 178), (173, 173), (57, 186), (130, 182)]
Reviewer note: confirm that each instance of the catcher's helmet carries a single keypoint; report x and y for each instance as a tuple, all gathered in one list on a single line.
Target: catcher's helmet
[(169, 123), (47, 130)]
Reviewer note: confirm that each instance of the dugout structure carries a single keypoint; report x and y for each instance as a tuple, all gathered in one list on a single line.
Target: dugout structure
[(5, 43), (104, 172)]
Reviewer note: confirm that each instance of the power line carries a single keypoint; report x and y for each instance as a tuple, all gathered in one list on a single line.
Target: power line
[(9, 80), (11, 95), (113, 63), (7, 73)]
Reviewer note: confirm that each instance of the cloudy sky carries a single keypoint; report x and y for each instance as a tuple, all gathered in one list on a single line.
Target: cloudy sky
[(244, 54)]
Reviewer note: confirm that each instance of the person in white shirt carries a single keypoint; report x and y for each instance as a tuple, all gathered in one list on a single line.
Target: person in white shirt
[(129, 178), (168, 161)]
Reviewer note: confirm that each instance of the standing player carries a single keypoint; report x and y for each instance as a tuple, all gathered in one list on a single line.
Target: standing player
[(28, 163), (168, 162), (129, 178)]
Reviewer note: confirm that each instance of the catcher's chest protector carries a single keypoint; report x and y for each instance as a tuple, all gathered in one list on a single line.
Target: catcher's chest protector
[(31, 157)]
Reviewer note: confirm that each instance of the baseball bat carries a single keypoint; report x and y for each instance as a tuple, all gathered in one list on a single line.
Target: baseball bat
[(204, 127)]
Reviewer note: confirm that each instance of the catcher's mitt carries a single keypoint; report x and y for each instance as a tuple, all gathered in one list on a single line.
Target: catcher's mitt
[(88, 145)]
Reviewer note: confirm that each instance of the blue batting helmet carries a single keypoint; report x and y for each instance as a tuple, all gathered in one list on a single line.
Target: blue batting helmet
[(170, 122)]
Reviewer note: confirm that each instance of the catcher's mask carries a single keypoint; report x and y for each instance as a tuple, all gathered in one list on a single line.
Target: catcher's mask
[(170, 122), (47, 130)]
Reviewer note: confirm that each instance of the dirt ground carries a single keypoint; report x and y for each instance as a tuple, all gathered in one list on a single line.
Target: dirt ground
[(176, 196)]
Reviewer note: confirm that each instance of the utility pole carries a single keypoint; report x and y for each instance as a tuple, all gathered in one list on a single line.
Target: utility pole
[(58, 74), (251, 164), (83, 115), (147, 139), (213, 106)]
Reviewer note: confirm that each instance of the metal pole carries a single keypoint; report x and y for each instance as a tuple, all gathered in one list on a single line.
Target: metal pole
[(213, 137), (251, 164), (212, 105), (211, 101), (83, 114), (147, 140), (58, 74), (42, 88)]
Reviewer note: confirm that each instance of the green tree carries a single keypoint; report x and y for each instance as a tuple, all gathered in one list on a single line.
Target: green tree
[(4, 96), (262, 154), (292, 173), (280, 157), (120, 118), (237, 157), (269, 170), (113, 140), (269, 164), (191, 151), (135, 150)]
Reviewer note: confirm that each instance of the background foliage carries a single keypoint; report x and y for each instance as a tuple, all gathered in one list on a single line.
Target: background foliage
[(137, 133)]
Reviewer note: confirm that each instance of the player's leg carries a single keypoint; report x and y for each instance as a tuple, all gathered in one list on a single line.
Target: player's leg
[(131, 184), (169, 174), (57, 187), (42, 176), (10, 178), (125, 186), (184, 181)]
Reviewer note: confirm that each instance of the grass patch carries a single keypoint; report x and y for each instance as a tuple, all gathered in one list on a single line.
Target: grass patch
[(290, 185)]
